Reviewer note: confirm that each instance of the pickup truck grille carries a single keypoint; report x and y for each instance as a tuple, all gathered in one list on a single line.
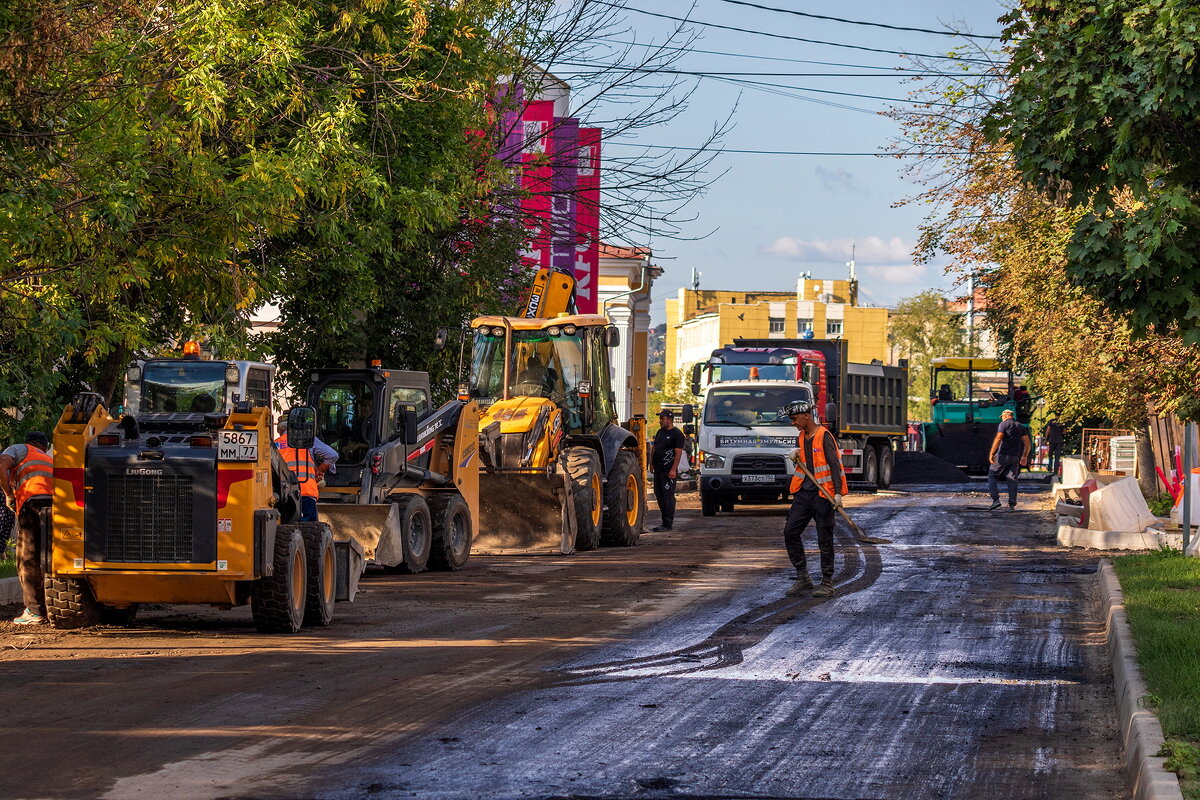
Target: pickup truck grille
[(759, 465), (149, 519)]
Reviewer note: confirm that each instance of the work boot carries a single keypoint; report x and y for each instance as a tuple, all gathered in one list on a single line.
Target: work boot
[(1013, 507), (803, 584), (995, 505), (825, 589)]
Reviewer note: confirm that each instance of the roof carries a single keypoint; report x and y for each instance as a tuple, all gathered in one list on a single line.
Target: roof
[(964, 364), (616, 251)]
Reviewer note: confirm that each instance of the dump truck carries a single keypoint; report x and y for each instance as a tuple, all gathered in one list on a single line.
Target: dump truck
[(744, 438), (406, 485), (559, 470), (968, 397), (184, 499)]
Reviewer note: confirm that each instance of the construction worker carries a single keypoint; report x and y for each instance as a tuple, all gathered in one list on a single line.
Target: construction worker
[(666, 454), (813, 500), (27, 479), (309, 466), (1010, 452)]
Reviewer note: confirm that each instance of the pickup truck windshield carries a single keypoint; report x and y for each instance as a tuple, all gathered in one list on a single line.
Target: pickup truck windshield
[(744, 405), (183, 386)]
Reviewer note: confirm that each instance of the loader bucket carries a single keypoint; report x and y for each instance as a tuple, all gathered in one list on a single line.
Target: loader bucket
[(375, 526), (524, 512)]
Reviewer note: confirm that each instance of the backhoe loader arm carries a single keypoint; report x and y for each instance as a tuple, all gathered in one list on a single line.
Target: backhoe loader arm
[(553, 293)]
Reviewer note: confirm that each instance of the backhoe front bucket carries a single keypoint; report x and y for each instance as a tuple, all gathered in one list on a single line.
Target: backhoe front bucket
[(375, 526), (519, 511)]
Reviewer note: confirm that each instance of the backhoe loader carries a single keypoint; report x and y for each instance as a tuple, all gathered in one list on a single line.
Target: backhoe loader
[(558, 469)]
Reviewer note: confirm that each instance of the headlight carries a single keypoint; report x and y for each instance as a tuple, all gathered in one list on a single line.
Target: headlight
[(569, 330), (498, 331), (554, 330), (714, 461)]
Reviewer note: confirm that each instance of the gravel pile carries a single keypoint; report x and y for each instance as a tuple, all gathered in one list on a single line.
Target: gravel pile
[(914, 467)]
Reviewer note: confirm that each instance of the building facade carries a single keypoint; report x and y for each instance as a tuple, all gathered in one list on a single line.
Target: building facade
[(626, 277)]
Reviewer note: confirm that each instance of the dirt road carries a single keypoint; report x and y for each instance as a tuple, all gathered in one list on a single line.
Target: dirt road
[(964, 660)]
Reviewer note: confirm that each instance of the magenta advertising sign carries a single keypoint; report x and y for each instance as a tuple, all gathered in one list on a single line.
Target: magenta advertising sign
[(536, 182), (564, 150), (587, 222)]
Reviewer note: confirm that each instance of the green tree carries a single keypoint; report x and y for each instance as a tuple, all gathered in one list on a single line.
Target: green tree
[(922, 328)]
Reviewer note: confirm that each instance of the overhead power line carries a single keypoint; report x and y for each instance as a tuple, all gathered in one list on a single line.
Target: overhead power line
[(756, 57), (859, 22), (790, 38), (897, 74), (784, 152)]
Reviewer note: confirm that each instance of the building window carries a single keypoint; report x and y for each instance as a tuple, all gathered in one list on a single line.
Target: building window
[(833, 327), (804, 325), (776, 325)]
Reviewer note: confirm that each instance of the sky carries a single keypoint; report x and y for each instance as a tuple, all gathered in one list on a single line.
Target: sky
[(771, 217)]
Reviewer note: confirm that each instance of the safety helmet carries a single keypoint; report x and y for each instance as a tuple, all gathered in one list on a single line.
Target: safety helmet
[(797, 407)]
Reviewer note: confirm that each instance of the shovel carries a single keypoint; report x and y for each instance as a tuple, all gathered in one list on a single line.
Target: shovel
[(858, 532)]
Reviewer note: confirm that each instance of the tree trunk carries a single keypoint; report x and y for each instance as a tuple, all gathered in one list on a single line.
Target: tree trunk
[(1147, 477)]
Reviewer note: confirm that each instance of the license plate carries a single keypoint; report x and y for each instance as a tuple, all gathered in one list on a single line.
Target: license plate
[(758, 479), (237, 446)]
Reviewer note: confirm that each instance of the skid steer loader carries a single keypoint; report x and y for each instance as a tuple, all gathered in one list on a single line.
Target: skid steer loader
[(406, 486), (558, 469), (185, 500)]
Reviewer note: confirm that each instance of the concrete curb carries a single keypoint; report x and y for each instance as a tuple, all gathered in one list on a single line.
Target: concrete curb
[(1070, 536), (1141, 733), (10, 591)]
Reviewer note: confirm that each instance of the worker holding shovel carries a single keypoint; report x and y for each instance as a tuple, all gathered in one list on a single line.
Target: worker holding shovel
[(817, 487)]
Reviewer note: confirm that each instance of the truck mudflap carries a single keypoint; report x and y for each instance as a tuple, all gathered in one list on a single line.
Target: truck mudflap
[(524, 511), (351, 561), (375, 527)]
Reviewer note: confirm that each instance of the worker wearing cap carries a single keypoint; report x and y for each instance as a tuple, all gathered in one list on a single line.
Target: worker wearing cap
[(309, 466), (1010, 452), (27, 479), (666, 454), (813, 500)]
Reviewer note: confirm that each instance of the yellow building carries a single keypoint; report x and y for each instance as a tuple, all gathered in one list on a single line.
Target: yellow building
[(701, 320)]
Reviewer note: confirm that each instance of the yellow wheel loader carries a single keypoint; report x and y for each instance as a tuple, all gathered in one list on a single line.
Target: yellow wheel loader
[(558, 469), (185, 500), (407, 481)]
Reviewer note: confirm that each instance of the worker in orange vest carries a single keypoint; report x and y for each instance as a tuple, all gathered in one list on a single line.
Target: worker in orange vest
[(818, 451), (27, 479), (307, 470)]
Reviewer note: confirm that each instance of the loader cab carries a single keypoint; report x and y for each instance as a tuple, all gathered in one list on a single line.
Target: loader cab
[(195, 385), (564, 360)]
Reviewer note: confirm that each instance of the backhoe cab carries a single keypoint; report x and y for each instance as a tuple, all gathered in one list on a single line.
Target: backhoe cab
[(557, 468)]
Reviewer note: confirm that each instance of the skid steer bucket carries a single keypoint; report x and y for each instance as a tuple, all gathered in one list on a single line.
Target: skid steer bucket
[(519, 511), (375, 526)]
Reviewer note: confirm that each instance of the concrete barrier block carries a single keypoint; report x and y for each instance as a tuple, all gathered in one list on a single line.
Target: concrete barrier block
[(1119, 506)]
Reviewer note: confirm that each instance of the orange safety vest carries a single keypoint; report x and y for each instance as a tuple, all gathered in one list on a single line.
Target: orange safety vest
[(300, 462), (820, 467), (34, 475)]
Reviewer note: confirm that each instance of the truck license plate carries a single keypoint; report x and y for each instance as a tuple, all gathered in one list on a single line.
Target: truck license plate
[(237, 446), (758, 479)]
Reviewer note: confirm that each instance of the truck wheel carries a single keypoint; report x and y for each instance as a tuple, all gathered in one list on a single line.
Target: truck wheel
[(870, 473), (277, 602), (321, 573), (583, 464), (708, 504), (111, 615), (70, 603), (624, 503), (452, 531), (416, 534), (887, 460), (727, 506)]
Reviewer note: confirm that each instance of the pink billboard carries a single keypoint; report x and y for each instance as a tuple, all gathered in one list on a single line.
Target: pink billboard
[(587, 222), (537, 122)]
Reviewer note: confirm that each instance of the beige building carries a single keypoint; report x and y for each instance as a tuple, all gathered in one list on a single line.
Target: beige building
[(626, 276), (701, 320)]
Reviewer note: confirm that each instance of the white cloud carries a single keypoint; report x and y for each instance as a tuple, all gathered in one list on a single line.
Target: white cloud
[(898, 273), (837, 180), (869, 250)]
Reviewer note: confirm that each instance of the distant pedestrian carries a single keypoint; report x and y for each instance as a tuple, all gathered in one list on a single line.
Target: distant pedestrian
[(666, 456), (27, 480), (1054, 442), (1010, 452), (818, 451)]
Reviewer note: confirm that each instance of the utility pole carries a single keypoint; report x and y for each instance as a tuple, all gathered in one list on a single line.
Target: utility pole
[(971, 314), (695, 278)]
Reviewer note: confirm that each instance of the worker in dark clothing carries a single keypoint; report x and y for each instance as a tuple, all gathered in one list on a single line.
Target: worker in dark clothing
[(1054, 442), (1010, 452), (666, 453), (818, 451), (27, 480)]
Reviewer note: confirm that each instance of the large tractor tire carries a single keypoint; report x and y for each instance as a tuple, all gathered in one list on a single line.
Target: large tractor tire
[(70, 603), (870, 473), (624, 502), (887, 463), (416, 534), (583, 464), (452, 531), (111, 615), (321, 573), (277, 602)]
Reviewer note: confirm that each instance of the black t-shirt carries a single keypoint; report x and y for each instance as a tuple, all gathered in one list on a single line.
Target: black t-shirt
[(1012, 438), (1054, 432), (666, 442)]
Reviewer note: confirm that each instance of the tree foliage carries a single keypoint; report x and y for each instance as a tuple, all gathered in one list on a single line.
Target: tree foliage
[(922, 328)]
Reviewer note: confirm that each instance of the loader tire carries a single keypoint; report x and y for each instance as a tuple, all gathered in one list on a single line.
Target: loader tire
[(452, 531), (277, 602), (583, 464), (70, 603), (416, 534), (624, 503), (111, 615), (321, 573)]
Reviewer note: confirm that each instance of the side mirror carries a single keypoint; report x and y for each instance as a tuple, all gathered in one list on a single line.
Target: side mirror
[(612, 336), (831, 413), (440, 340), (696, 372), (406, 422), (689, 413), (689, 430), (301, 427)]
